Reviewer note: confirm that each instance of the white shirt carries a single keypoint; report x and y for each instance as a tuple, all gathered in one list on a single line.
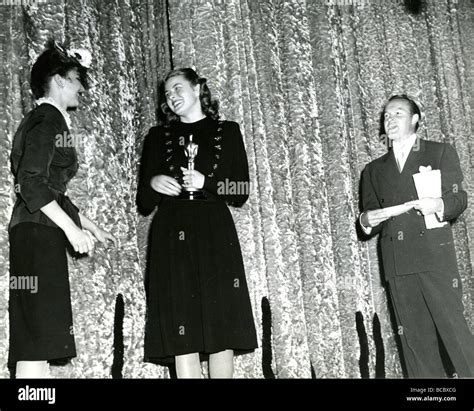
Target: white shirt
[(53, 102), (402, 149)]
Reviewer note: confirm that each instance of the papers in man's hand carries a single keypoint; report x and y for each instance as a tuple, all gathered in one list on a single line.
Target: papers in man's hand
[(428, 184)]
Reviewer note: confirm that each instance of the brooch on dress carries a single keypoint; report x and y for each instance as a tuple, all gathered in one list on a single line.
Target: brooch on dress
[(217, 148)]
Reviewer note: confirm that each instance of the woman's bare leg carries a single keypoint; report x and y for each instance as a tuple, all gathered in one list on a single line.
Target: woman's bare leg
[(221, 364), (32, 369), (188, 366)]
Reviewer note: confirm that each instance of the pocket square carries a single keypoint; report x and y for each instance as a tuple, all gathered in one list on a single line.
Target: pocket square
[(424, 169)]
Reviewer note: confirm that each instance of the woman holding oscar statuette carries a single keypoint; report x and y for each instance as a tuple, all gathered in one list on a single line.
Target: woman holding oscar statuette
[(197, 297)]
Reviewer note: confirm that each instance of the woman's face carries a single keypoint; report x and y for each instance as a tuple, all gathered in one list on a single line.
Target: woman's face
[(182, 97), (72, 89)]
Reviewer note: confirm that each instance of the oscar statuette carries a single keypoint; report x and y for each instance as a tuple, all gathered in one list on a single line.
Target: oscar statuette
[(191, 193)]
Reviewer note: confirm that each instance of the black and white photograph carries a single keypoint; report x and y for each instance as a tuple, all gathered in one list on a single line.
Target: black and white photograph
[(273, 192)]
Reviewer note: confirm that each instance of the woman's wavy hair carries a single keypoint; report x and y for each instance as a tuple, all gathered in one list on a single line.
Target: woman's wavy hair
[(54, 60), (209, 105)]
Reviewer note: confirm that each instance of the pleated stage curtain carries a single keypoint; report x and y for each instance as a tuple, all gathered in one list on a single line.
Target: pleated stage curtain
[(306, 80)]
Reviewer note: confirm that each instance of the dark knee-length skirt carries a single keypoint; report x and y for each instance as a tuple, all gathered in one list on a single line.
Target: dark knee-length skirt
[(40, 314), (197, 295)]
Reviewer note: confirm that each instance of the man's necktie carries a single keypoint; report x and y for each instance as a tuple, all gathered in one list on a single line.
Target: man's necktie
[(399, 162)]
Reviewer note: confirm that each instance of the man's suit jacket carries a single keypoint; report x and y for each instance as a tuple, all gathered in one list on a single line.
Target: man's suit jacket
[(407, 246)]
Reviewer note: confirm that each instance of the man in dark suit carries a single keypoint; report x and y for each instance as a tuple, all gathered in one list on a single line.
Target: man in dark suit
[(419, 264)]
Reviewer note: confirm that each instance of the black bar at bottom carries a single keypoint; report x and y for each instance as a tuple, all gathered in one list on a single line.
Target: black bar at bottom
[(453, 394)]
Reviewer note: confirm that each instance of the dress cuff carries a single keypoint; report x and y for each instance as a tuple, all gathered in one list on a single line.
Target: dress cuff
[(210, 184)]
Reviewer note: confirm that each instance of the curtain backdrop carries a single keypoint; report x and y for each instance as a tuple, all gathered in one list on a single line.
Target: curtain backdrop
[(306, 80)]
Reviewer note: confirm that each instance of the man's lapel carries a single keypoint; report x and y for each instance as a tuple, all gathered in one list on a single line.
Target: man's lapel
[(390, 171), (414, 159)]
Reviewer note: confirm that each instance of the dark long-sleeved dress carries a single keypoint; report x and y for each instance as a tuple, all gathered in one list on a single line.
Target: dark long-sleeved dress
[(40, 306), (197, 296)]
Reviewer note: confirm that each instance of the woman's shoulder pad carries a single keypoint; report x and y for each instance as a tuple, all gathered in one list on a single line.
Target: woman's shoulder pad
[(229, 125), (157, 131)]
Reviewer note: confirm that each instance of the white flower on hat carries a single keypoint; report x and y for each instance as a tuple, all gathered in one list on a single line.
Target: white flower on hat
[(83, 56)]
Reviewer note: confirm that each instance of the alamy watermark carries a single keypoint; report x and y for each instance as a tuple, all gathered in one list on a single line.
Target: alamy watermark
[(21, 2), (229, 187), (388, 142), (362, 3), (69, 140), (28, 393), (24, 282)]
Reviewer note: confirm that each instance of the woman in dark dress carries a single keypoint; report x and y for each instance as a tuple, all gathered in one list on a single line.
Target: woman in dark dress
[(197, 297), (44, 220)]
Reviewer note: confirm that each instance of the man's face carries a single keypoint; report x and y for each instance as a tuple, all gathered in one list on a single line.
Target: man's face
[(399, 123)]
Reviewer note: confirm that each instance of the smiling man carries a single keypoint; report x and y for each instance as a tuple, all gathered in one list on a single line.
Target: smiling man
[(419, 264)]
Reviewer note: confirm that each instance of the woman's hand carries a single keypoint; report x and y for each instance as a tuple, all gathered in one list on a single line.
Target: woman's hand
[(192, 178), (95, 232), (81, 241), (165, 185), (102, 236)]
